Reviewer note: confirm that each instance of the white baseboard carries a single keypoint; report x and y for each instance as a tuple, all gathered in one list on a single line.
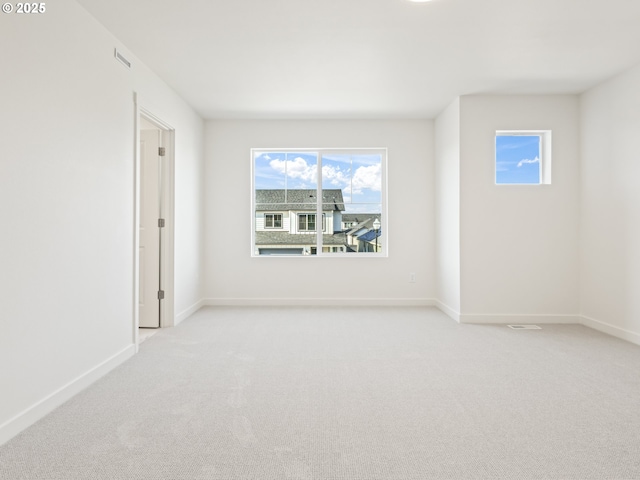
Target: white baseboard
[(501, 318), (186, 313), (31, 415), (519, 318), (446, 309), (320, 302), (609, 329)]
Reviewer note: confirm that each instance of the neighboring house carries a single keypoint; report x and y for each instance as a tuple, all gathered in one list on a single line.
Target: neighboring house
[(286, 222), (351, 220), (369, 241), (360, 232)]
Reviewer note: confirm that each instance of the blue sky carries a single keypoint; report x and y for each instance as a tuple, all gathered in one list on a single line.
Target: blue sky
[(518, 159), (359, 176)]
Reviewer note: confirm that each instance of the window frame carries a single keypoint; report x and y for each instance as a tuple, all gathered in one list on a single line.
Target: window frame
[(317, 249), (307, 222), (315, 222), (273, 215), (544, 149)]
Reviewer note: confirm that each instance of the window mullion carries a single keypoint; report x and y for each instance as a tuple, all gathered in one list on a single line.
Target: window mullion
[(319, 205)]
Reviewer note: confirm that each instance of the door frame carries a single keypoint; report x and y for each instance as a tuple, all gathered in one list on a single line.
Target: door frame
[(167, 253)]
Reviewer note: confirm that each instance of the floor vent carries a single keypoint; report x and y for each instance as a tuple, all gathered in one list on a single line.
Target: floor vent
[(525, 327)]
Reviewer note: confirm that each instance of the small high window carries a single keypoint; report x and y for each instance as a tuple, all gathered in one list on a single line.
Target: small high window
[(523, 157)]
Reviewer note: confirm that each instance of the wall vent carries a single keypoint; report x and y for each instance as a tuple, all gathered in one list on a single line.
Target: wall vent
[(525, 327), (121, 58)]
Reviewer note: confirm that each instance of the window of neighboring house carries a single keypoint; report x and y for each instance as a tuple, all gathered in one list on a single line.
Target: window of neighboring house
[(307, 222), (273, 220), (303, 184), (523, 157)]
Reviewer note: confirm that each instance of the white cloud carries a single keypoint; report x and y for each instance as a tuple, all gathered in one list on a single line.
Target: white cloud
[(522, 162), (367, 178), (296, 168), (334, 176)]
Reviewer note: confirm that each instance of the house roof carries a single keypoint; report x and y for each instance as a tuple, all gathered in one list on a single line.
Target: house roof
[(286, 238), (365, 224), (370, 235), (358, 217), (297, 199)]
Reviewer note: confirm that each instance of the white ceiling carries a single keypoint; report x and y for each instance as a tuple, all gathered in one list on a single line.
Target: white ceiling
[(370, 58)]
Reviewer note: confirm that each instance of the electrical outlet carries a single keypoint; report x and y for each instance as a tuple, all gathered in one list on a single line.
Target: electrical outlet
[(412, 277)]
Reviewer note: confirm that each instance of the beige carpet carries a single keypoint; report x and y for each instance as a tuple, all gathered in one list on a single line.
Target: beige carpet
[(348, 393)]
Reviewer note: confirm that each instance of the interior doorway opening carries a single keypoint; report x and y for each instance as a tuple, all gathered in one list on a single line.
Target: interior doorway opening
[(154, 225)]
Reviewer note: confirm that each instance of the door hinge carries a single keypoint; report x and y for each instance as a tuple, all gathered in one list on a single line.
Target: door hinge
[(160, 294), (161, 223), (161, 151)]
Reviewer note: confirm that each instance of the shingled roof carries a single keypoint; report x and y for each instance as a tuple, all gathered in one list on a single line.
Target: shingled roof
[(303, 199), (359, 217), (366, 224), (285, 238)]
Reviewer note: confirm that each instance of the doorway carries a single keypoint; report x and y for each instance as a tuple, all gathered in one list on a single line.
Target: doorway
[(154, 225), (150, 225)]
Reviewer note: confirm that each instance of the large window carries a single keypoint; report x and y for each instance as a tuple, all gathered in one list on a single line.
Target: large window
[(344, 188)]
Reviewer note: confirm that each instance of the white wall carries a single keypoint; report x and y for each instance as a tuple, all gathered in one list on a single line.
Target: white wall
[(234, 277), (519, 244), (610, 197), (447, 215), (67, 207)]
